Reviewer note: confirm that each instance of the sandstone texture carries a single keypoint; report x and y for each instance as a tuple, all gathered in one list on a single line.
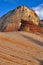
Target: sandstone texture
[(12, 20), (21, 48)]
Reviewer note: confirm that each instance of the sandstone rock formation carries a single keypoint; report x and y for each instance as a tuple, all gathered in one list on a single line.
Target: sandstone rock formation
[(29, 26), (12, 20), (21, 48)]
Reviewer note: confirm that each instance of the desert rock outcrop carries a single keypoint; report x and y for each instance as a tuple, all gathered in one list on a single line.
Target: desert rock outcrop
[(12, 20)]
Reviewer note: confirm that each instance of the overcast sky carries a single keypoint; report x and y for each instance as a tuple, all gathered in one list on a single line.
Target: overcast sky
[(7, 5)]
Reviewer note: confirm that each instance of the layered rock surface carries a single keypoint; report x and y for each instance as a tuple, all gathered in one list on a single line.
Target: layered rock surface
[(21, 48)]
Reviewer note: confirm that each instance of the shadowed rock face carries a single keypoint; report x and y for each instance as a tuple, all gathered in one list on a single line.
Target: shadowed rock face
[(12, 20), (30, 26), (41, 23)]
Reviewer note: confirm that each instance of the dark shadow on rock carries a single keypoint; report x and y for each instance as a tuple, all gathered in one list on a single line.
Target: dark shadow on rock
[(40, 61), (33, 40)]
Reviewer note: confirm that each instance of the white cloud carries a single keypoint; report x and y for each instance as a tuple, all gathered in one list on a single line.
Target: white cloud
[(39, 10)]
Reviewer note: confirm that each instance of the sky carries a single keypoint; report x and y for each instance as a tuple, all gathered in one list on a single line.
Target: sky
[(7, 5)]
